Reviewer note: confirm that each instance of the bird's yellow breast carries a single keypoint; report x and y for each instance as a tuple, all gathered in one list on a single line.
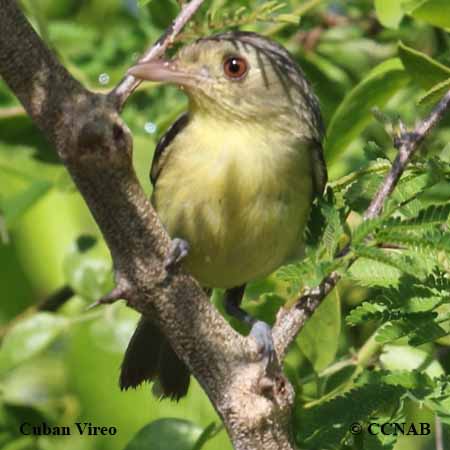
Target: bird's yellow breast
[(239, 195)]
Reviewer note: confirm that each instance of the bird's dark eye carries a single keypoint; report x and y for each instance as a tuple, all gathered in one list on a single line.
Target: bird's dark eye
[(235, 67)]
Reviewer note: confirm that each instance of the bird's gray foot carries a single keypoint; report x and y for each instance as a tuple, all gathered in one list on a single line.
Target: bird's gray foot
[(262, 333), (260, 330), (179, 249)]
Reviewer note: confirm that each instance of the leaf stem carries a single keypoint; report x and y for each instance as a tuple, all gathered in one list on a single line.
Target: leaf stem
[(367, 352), (376, 167)]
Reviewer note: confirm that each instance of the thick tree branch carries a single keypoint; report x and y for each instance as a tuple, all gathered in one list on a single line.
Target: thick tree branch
[(96, 146), (40, 83), (290, 322)]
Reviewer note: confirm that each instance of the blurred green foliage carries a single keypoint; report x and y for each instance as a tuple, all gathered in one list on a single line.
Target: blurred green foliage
[(377, 347)]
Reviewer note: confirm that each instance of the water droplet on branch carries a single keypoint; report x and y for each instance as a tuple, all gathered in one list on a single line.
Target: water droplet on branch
[(103, 78), (150, 127)]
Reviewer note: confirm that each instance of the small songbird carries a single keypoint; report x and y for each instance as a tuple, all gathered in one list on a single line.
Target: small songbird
[(234, 179)]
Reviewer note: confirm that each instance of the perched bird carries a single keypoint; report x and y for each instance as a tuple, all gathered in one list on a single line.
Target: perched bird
[(234, 179)]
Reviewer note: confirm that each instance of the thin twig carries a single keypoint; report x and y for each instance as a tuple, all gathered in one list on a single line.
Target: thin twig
[(290, 322), (438, 434), (407, 144), (12, 111), (129, 83), (57, 299)]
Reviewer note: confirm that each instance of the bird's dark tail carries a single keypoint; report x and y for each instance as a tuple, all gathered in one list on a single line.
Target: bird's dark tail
[(149, 357)]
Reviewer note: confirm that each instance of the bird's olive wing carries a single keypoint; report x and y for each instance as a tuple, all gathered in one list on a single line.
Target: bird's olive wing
[(161, 150), (320, 175)]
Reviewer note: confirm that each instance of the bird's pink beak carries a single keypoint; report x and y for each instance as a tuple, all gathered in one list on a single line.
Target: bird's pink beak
[(163, 71)]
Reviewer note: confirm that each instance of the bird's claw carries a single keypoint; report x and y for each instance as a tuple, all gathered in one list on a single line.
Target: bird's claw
[(262, 333), (179, 249), (121, 291), (102, 301)]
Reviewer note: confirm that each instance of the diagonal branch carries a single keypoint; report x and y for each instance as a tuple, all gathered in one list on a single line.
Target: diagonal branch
[(407, 144), (129, 83), (290, 322)]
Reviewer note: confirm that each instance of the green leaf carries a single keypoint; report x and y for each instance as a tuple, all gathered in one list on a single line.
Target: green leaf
[(208, 433), (389, 12), (87, 269), (430, 216), (334, 230), (112, 331), (364, 312), (410, 5), (433, 95), (414, 295), (308, 272), (331, 82), (423, 69), (379, 441), (14, 207), (369, 273), (409, 301), (366, 228), (405, 357), (319, 427), (429, 244), (409, 187), (409, 379), (165, 434), (417, 382), (439, 283), (428, 332), (288, 18), (373, 151), (354, 113), (39, 385), (319, 338), (419, 328), (380, 166), (439, 399), (434, 12), (324, 236), (162, 17), (265, 308), (29, 337), (405, 263)]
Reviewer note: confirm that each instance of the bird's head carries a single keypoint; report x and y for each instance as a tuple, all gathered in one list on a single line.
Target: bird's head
[(241, 76)]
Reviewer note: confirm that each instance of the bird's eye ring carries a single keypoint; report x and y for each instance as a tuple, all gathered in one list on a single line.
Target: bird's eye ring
[(235, 67)]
